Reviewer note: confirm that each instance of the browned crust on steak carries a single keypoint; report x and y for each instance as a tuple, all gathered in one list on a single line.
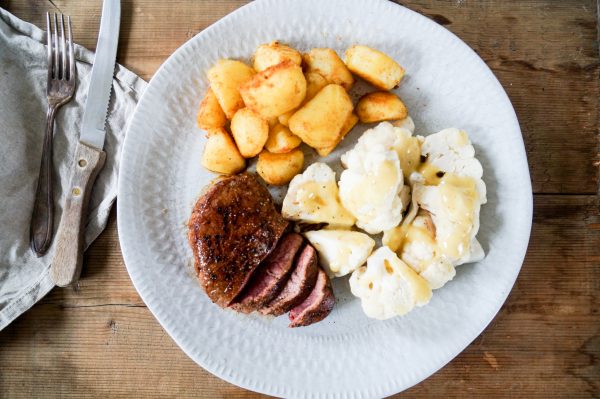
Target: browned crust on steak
[(298, 286), (233, 227), (271, 276), (316, 306)]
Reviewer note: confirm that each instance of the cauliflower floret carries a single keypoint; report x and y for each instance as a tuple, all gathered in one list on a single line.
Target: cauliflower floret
[(340, 251), (387, 287), (451, 151), (455, 214), (371, 184), (313, 197), (420, 252)]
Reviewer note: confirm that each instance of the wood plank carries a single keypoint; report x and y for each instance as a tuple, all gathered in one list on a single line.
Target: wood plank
[(545, 342), (545, 53)]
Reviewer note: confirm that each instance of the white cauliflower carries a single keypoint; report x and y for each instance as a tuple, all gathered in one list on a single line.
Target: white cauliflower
[(387, 287), (421, 253), (451, 151), (444, 237), (371, 185), (340, 251), (313, 197)]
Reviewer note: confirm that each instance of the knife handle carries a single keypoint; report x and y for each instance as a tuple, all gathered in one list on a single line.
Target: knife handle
[(68, 255)]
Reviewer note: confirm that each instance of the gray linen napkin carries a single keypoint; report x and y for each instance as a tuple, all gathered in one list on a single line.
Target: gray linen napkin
[(24, 278)]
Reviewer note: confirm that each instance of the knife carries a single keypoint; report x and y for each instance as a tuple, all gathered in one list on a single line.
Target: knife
[(89, 157)]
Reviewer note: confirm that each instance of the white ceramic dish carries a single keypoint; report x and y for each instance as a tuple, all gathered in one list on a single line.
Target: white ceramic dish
[(347, 355)]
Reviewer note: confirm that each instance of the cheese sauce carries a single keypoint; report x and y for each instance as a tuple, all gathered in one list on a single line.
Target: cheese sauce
[(459, 199), (322, 201)]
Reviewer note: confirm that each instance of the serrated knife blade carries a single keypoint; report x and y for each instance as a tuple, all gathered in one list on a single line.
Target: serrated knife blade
[(93, 129)]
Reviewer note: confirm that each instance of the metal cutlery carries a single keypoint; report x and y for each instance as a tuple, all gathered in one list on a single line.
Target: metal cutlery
[(62, 76)]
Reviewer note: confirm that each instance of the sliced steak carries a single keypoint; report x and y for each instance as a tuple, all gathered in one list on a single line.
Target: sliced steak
[(234, 226), (271, 276), (316, 306), (298, 286)]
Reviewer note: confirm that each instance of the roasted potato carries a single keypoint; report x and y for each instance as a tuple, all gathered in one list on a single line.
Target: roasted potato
[(274, 53), (374, 66), (281, 140), (328, 64), (348, 125), (314, 83), (279, 169), (319, 122), (275, 90), (249, 131), (221, 155), (210, 114), (225, 79), (380, 106)]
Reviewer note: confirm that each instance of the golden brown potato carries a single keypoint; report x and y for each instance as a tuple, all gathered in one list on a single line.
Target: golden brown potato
[(225, 79), (281, 140), (319, 122), (249, 131), (348, 125), (374, 66), (314, 83), (328, 64), (279, 169), (380, 106), (274, 53), (210, 114), (221, 154), (275, 90)]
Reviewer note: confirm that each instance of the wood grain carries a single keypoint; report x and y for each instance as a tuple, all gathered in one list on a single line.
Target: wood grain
[(99, 339)]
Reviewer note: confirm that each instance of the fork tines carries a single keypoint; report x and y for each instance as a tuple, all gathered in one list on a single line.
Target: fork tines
[(61, 61)]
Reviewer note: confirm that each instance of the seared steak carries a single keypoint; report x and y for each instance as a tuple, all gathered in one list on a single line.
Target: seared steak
[(298, 286), (234, 226), (270, 277), (316, 306)]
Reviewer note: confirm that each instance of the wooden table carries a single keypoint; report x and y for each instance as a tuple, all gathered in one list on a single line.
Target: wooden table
[(101, 340)]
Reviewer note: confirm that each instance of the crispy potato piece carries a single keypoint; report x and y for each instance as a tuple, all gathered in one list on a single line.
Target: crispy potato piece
[(210, 114), (281, 140), (380, 106), (314, 83), (374, 66), (221, 154), (327, 63), (225, 79), (319, 122), (279, 169), (249, 131), (267, 55), (275, 90), (348, 125)]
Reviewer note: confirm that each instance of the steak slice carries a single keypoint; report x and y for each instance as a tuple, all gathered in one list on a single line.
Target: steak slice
[(316, 306), (298, 286), (234, 226), (271, 276)]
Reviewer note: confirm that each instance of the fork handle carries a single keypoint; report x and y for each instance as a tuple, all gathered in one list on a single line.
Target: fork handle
[(68, 255), (42, 218)]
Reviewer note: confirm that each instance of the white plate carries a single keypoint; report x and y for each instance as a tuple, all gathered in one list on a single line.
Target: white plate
[(346, 355)]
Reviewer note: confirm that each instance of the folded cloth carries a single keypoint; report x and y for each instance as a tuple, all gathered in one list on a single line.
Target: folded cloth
[(24, 278)]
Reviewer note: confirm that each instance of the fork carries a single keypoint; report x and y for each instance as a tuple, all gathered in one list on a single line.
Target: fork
[(61, 86)]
